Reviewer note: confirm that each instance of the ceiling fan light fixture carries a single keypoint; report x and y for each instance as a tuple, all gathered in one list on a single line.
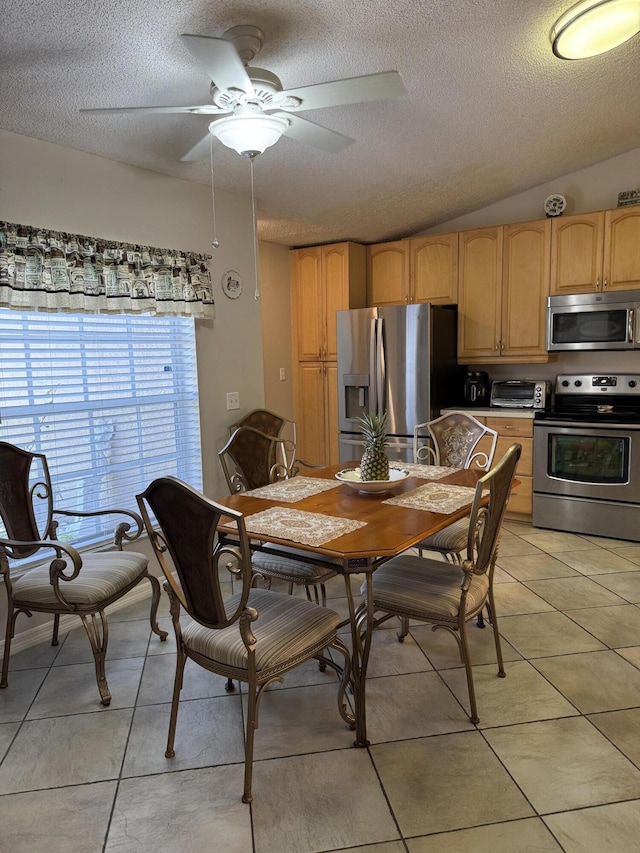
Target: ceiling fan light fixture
[(592, 27), (249, 135)]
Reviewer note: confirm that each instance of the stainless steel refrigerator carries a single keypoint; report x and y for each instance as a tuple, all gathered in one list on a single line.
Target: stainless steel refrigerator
[(401, 359)]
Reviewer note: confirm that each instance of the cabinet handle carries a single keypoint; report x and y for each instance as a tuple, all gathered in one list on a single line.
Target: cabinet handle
[(605, 283), (597, 282), (497, 346), (501, 346), (508, 426)]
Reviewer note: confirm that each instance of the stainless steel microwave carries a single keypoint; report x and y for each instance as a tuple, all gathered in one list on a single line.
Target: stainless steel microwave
[(594, 321)]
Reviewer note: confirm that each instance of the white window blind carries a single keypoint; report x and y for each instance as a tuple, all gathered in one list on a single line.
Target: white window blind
[(112, 401)]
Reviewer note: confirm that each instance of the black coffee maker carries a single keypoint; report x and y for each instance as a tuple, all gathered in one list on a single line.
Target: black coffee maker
[(476, 388)]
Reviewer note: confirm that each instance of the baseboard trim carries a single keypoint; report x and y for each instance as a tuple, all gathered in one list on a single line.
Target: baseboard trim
[(42, 633)]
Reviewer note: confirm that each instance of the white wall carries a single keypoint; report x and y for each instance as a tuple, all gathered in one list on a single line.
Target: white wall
[(276, 328), (594, 188), (54, 187)]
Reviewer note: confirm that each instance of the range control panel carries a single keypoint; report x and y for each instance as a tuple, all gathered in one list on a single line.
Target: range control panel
[(603, 383)]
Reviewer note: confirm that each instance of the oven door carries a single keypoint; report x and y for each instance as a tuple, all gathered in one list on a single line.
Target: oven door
[(587, 461)]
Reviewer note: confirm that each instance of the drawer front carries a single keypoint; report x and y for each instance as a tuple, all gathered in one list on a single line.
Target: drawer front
[(520, 427)]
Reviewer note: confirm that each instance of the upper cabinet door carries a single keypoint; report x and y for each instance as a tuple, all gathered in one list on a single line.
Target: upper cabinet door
[(479, 290), (621, 267), (434, 269), (576, 253), (336, 293), (388, 273), (306, 275), (526, 256)]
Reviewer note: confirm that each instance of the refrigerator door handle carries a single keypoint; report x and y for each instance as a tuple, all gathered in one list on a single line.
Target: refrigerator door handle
[(373, 367), (381, 371)]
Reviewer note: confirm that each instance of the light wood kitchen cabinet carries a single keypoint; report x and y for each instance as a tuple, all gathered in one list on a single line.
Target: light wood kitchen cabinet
[(422, 269), (509, 431), (621, 253), (324, 279), (433, 266), (502, 291), (576, 253), (316, 408), (596, 252), (388, 273)]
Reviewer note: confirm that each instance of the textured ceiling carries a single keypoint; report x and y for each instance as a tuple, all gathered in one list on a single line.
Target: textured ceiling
[(489, 111)]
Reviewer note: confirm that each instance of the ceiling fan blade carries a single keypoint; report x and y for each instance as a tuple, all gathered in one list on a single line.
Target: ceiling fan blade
[(203, 109), (303, 130), (200, 151), (352, 90), (221, 61)]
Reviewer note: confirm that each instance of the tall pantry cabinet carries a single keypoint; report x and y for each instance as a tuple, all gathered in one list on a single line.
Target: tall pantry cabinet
[(324, 279)]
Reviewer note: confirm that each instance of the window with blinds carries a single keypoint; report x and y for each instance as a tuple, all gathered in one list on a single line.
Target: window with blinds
[(112, 401)]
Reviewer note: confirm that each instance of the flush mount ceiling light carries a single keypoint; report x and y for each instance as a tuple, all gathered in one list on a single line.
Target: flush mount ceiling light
[(249, 131), (594, 26)]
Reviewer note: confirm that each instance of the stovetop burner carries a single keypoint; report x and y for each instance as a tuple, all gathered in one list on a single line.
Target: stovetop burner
[(600, 398)]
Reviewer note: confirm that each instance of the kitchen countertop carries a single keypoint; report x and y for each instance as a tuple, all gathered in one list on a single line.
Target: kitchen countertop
[(489, 412)]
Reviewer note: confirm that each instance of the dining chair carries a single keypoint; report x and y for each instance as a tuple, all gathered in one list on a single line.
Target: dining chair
[(254, 636), (452, 441), (251, 459), (67, 582), (279, 427), (412, 587)]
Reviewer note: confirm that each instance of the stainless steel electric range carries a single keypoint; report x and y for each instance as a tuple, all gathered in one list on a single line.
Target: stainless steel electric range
[(586, 457)]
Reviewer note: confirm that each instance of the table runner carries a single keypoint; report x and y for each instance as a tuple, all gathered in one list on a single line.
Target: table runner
[(435, 497), (293, 489), (426, 472), (307, 528)]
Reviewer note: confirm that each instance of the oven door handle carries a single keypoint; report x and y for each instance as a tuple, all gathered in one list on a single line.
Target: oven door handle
[(631, 326)]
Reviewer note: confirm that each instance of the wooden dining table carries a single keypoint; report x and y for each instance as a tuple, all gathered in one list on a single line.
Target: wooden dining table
[(386, 531)]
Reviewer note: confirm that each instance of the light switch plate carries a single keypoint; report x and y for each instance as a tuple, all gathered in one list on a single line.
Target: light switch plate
[(233, 400)]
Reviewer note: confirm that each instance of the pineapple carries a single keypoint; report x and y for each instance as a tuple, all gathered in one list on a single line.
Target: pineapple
[(374, 464)]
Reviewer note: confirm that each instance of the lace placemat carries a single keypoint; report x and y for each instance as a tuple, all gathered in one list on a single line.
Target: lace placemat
[(294, 489), (426, 472), (435, 497), (308, 528)]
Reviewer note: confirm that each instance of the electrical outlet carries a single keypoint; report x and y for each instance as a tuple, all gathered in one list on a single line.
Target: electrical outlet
[(283, 374), (233, 400)]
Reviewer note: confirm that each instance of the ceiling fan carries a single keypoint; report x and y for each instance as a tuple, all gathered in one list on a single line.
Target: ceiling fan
[(253, 109)]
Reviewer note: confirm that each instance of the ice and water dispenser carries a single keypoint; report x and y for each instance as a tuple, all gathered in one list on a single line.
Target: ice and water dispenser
[(355, 388)]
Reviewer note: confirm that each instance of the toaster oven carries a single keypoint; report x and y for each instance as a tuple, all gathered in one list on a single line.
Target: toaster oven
[(520, 393)]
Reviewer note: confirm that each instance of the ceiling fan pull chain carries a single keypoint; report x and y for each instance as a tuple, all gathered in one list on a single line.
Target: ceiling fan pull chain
[(256, 295), (215, 243)]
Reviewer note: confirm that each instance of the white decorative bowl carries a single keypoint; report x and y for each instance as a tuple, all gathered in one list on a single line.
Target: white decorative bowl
[(351, 477)]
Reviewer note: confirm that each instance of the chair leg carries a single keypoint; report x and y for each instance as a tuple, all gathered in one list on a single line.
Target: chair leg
[(56, 627), (8, 636), (177, 687), (480, 620), (98, 634), (252, 721), (466, 659), (155, 601), (493, 619), (404, 628)]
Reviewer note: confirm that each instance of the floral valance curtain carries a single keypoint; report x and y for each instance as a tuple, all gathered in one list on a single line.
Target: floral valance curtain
[(43, 270)]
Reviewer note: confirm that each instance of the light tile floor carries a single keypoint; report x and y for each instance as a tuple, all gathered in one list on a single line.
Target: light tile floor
[(553, 765)]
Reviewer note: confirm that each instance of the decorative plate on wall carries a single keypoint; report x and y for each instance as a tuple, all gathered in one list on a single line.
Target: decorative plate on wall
[(231, 284), (555, 204)]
